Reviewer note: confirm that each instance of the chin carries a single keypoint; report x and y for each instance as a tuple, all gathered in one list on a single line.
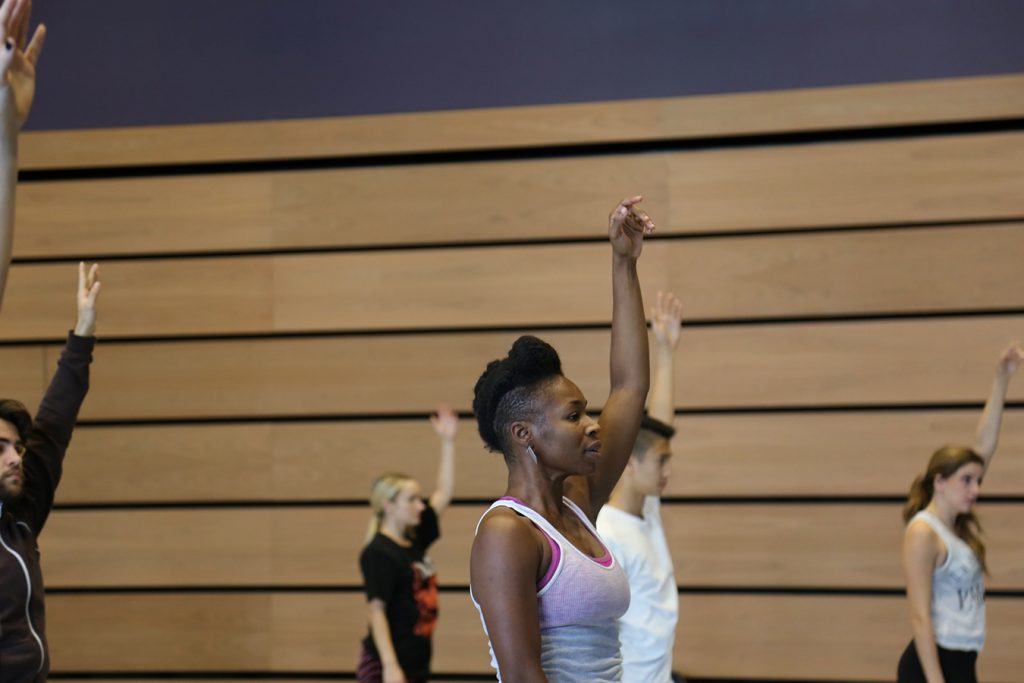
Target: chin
[(9, 494)]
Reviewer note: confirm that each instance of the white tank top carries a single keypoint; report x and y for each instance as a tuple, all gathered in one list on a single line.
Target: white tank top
[(579, 601), (958, 593)]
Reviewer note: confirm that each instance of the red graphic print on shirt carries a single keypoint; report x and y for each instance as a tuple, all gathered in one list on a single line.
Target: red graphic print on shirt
[(424, 589)]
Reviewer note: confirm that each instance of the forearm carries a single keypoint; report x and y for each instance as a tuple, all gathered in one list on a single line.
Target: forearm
[(660, 403), (927, 650), (59, 408), (630, 362), (987, 435), (380, 630), (442, 495), (8, 184)]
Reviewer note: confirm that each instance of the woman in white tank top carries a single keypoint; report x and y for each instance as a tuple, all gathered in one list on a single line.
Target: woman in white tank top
[(548, 590), (943, 555)]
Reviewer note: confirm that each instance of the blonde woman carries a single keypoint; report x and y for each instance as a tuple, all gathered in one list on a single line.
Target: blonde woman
[(401, 588), (943, 554)]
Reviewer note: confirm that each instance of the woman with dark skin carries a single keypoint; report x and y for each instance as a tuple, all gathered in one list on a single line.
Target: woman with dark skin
[(562, 467)]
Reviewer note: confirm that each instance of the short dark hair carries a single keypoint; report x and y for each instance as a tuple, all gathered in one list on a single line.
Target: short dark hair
[(650, 431), (657, 426), (507, 389), (17, 414)]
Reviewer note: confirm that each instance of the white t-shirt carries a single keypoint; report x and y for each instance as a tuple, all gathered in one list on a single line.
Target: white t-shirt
[(647, 630)]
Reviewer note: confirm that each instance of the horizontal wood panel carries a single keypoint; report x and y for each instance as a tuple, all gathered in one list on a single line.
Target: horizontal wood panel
[(814, 454), (878, 182), (807, 637), (765, 545), (238, 632), (786, 276), (819, 638), (948, 359), (857, 106), (24, 374)]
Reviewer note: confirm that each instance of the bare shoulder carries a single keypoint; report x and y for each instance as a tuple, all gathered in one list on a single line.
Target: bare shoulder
[(503, 528), (507, 548), (921, 540)]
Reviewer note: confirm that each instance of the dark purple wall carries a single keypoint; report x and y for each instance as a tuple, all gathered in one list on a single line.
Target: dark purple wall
[(136, 62)]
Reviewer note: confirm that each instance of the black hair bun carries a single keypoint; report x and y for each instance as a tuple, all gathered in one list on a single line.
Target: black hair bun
[(529, 361)]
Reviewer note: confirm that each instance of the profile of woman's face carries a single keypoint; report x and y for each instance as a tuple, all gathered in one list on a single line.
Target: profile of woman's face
[(564, 436)]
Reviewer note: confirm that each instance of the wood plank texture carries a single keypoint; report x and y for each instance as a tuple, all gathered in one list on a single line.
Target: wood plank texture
[(763, 545), (771, 365), (25, 374), (945, 100), (856, 637), (946, 178), (859, 272), (816, 454)]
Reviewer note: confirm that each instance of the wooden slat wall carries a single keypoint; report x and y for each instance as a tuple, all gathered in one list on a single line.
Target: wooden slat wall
[(946, 178), (920, 102), (280, 336), (719, 279)]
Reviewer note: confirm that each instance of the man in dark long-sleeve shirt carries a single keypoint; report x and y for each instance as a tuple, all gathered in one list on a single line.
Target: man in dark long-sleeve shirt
[(31, 460)]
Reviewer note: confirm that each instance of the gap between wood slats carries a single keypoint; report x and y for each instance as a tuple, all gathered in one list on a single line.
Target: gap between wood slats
[(526, 153), (536, 241)]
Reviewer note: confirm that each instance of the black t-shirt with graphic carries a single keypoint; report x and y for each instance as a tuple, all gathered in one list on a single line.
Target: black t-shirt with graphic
[(403, 578)]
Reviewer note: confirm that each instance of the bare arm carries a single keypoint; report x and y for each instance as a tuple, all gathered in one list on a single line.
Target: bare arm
[(503, 574), (987, 436), (630, 361), (381, 633), (445, 423), (17, 90), (921, 551), (666, 316)]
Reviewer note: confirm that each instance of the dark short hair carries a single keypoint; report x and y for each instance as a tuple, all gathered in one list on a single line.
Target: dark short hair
[(651, 430), (657, 426), (17, 414), (506, 391)]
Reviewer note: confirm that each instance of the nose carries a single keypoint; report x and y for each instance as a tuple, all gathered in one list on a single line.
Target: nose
[(9, 456), (590, 426)]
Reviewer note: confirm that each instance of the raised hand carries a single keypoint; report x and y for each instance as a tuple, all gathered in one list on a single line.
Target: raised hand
[(1010, 360), (445, 422), (666, 316), (627, 226), (88, 291), (18, 59)]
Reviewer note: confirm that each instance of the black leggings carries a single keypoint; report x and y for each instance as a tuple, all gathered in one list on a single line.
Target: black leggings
[(957, 666)]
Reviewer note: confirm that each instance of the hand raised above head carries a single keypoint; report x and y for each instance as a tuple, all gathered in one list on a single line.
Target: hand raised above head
[(18, 59), (627, 226), (88, 292), (445, 422), (666, 317), (1011, 359)]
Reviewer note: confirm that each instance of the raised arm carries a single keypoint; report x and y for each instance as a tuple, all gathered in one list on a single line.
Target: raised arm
[(446, 424), (666, 317), (987, 436), (630, 362), (17, 90), (58, 411)]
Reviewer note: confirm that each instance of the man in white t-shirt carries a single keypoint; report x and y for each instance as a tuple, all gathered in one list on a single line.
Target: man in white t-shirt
[(630, 522)]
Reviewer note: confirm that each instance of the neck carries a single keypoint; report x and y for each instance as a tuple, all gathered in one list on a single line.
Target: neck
[(626, 498), (533, 485), (942, 511), (394, 531)]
